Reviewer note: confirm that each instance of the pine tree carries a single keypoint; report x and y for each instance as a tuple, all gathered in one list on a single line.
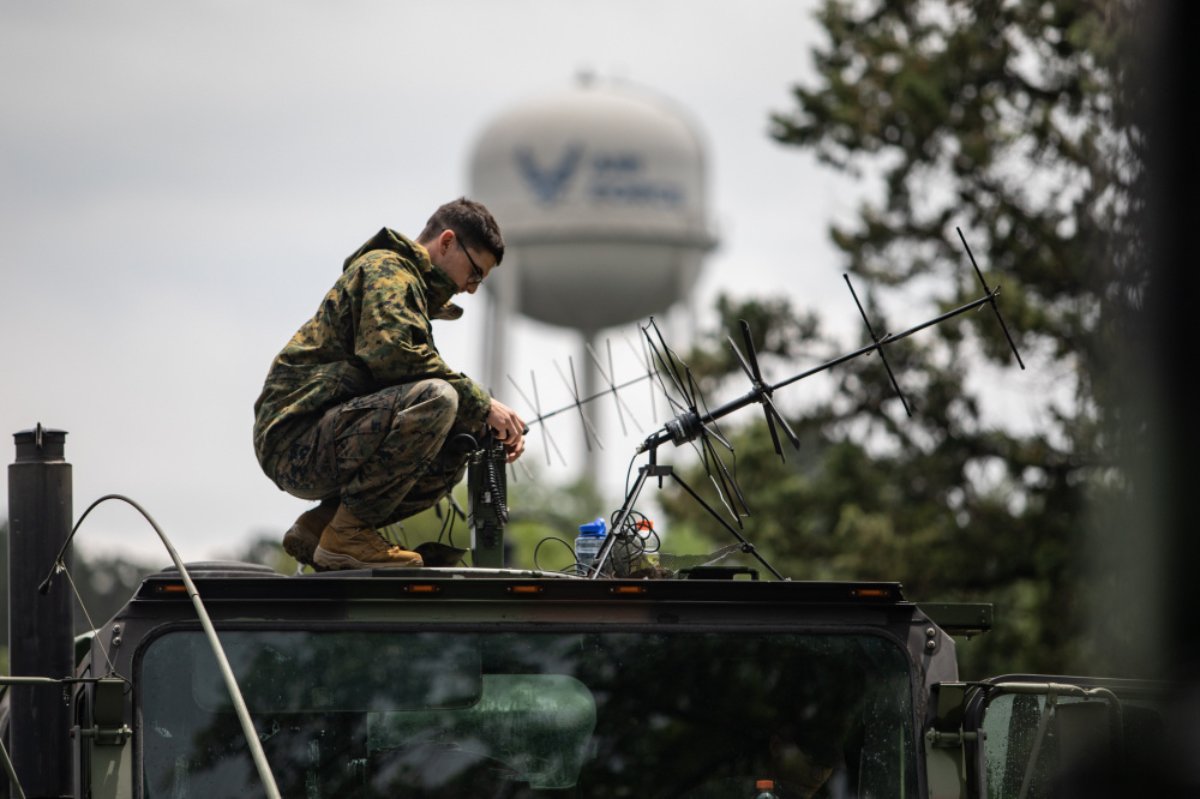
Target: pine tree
[(1017, 123)]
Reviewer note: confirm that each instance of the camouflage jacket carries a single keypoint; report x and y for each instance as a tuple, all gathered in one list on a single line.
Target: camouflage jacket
[(372, 330)]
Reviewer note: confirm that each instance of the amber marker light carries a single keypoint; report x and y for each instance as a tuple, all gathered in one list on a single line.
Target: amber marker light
[(525, 590), (172, 588), (421, 588), (625, 590)]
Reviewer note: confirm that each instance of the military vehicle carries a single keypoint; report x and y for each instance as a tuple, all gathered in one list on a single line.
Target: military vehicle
[(494, 682), (229, 680)]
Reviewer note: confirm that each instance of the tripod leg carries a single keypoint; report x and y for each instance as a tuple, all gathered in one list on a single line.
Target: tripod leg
[(622, 515), (746, 545)]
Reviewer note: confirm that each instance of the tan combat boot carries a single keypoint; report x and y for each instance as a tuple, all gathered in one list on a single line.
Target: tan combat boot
[(350, 543), (301, 539)]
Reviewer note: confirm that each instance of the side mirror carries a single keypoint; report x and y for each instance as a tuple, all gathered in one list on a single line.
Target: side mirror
[(1039, 737)]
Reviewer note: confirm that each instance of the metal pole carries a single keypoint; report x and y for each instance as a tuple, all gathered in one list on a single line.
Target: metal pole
[(591, 456), (41, 628)]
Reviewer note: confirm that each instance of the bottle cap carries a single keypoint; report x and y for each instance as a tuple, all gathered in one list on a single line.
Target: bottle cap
[(597, 528)]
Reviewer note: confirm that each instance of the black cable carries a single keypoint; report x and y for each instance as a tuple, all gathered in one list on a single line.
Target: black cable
[(468, 443), (629, 471), (570, 549), (58, 565), (635, 539), (493, 484), (447, 521)]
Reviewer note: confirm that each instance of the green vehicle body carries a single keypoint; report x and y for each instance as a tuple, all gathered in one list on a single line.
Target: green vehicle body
[(473, 682)]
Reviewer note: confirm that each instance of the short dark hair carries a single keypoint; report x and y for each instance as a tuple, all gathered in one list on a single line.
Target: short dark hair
[(471, 221)]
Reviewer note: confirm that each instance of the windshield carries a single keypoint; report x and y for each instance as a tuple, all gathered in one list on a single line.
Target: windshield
[(528, 714)]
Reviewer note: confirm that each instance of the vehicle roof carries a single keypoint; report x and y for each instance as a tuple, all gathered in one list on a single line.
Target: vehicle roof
[(233, 582)]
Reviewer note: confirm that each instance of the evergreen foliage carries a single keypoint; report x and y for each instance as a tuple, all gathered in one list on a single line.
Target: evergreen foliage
[(1015, 122)]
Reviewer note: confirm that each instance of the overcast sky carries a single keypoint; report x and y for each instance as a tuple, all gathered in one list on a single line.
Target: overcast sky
[(180, 183)]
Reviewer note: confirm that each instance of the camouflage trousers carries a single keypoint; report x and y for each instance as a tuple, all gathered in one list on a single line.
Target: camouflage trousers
[(386, 456)]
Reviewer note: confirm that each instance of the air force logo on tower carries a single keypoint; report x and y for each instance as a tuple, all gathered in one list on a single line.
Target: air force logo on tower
[(549, 183), (611, 177)]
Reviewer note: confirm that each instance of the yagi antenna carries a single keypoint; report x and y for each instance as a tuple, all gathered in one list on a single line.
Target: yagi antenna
[(686, 425), (876, 339), (612, 386), (536, 404), (589, 432), (691, 423), (695, 421), (991, 297), (749, 363), (643, 355)]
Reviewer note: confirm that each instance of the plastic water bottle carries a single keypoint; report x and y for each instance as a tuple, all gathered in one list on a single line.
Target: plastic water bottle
[(588, 543)]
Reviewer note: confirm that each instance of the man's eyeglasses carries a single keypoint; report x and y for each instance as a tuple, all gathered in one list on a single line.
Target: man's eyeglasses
[(477, 274)]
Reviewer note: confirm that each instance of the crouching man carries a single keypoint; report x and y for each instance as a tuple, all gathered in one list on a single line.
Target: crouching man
[(360, 412)]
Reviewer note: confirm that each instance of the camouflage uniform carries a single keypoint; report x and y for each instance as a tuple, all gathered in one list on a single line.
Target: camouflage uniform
[(359, 404)]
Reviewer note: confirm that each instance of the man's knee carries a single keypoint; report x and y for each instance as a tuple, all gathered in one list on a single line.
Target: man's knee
[(438, 392), (436, 400)]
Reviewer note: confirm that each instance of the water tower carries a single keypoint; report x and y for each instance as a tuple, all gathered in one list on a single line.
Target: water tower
[(600, 192)]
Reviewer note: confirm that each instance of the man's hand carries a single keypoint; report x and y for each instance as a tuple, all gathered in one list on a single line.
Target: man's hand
[(509, 429)]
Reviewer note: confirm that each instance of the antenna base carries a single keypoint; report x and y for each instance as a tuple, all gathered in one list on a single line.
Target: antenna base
[(684, 428)]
